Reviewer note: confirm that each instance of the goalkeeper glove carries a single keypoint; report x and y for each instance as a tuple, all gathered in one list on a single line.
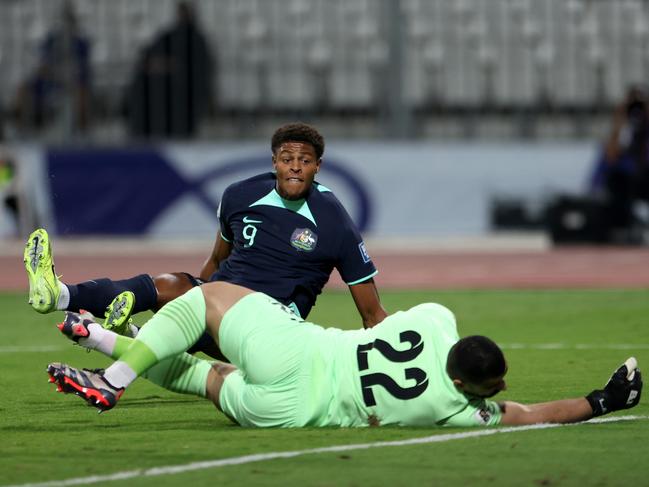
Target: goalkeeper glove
[(622, 391)]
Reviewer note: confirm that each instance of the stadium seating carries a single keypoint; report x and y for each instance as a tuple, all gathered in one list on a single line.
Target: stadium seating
[(512, 61)]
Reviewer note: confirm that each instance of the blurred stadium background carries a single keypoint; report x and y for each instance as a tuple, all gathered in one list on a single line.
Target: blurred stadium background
[(446, 121), (497, 69), (453, 128)]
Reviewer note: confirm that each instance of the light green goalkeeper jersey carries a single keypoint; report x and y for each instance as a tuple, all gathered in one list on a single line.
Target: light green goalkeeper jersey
[(394, 373)]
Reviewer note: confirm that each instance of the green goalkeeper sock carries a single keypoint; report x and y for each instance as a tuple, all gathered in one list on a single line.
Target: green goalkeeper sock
[(121, 345), (183, 373), (171, 331)]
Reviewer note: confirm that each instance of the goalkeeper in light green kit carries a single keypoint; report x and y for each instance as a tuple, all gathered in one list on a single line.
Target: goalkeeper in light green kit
[(411, 369)]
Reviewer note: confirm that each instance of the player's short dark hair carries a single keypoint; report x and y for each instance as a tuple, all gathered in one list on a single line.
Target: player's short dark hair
[(475, 359), (298, 132)]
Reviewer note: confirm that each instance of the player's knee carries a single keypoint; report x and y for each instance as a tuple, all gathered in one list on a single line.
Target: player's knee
[(170, 286)]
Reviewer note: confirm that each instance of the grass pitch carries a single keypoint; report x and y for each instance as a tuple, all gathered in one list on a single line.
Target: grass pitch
[(558, 344)]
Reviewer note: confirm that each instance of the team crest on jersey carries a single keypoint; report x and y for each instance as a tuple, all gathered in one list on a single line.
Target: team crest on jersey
[(304, 239)]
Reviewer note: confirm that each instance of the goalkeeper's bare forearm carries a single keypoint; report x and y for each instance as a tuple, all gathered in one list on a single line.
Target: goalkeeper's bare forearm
[(622, 391)]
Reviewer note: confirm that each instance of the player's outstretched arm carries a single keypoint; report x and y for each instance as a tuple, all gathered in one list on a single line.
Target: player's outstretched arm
[(562, 411), (368, 303), (622, 391), (220, 252)]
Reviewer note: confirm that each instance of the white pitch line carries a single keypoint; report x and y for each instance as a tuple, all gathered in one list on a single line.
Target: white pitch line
[(260, 457), (575, 346)]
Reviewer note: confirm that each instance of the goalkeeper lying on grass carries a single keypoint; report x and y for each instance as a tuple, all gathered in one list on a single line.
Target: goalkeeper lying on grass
[(410, 370)]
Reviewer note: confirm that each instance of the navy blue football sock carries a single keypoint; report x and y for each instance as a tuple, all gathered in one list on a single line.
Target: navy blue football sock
[(95, 295)]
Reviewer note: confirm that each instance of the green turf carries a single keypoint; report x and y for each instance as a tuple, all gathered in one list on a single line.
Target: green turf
[(47, 436)]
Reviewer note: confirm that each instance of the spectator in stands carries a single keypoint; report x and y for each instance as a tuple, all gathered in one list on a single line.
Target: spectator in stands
[(171, 89), (622, 173), (60, 86)]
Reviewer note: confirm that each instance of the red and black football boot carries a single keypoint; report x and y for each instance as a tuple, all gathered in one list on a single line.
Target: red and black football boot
[(75, 325), (87, 384)]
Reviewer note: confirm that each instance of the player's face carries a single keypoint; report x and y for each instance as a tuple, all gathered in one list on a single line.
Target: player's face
[(296, 165), (488, 388)]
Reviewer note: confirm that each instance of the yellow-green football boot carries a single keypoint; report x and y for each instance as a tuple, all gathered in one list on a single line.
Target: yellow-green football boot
[(44, 290), (118, 314)]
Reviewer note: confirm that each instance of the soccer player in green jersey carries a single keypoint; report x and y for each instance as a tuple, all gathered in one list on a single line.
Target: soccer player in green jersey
[(411, 369)]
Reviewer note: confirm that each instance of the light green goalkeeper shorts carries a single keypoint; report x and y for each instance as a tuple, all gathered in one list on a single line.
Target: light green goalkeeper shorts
[(269, 344)]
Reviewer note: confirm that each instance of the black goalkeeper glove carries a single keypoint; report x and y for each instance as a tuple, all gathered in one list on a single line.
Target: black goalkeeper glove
[(620, 392)]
